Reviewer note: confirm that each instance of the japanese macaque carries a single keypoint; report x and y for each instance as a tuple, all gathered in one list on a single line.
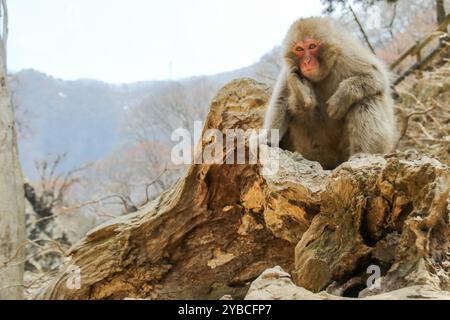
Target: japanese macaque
[(332, 98)]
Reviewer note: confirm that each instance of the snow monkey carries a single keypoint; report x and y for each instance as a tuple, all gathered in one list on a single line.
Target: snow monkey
[(332, 98)]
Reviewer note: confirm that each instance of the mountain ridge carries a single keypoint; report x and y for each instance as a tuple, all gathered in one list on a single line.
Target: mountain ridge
[(83, 117)]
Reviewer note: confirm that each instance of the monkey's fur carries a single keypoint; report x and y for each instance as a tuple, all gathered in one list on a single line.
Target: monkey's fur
[(343, 110)]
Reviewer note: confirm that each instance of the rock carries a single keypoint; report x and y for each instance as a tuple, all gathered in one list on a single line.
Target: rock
[(221, 225), (276, 284)]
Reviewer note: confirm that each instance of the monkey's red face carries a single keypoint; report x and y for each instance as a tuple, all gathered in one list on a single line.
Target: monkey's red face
[(308, 54)]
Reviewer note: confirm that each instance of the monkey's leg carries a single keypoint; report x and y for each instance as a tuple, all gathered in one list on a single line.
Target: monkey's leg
[(368, 129)]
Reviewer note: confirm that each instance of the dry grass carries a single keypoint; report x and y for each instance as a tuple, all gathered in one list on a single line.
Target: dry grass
[(424, 113)]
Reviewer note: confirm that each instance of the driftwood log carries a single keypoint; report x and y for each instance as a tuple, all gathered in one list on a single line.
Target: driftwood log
[(220, 226)]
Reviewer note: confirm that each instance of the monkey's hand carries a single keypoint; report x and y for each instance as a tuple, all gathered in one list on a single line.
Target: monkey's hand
[(336, 108), (302, 94), (309, 99)]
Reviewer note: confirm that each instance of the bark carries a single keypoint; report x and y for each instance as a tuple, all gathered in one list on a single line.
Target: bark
[(12, 215), (440, 11), (220, 226), (389, 212)]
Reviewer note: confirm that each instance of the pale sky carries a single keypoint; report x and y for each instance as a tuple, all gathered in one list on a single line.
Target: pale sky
[(125, 41)]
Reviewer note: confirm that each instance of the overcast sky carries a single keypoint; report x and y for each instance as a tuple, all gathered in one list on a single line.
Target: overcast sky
[(126, 41)]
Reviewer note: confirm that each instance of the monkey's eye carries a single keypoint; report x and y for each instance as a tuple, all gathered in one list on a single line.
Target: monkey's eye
[(299, 49), (312, 46)]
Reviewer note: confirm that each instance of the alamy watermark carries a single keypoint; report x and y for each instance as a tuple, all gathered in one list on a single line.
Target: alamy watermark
[(74, 277), (373, 281), (230, 146)]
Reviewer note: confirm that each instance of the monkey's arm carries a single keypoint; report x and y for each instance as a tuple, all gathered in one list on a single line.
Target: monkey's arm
[(276, 115), (301, 93), (352, 90)]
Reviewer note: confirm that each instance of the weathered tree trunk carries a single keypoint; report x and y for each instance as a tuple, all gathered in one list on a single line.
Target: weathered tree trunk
[(203, 238), (440, 11), (221, 226), (12, 216)]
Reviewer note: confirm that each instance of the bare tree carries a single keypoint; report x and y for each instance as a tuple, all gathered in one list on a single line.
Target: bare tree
[(129, 178), (12, 217), (53, 185), (148, 130), (4, 31), (48, 196), (177, 104), (332, 5), (440, 11), (363, 32)]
